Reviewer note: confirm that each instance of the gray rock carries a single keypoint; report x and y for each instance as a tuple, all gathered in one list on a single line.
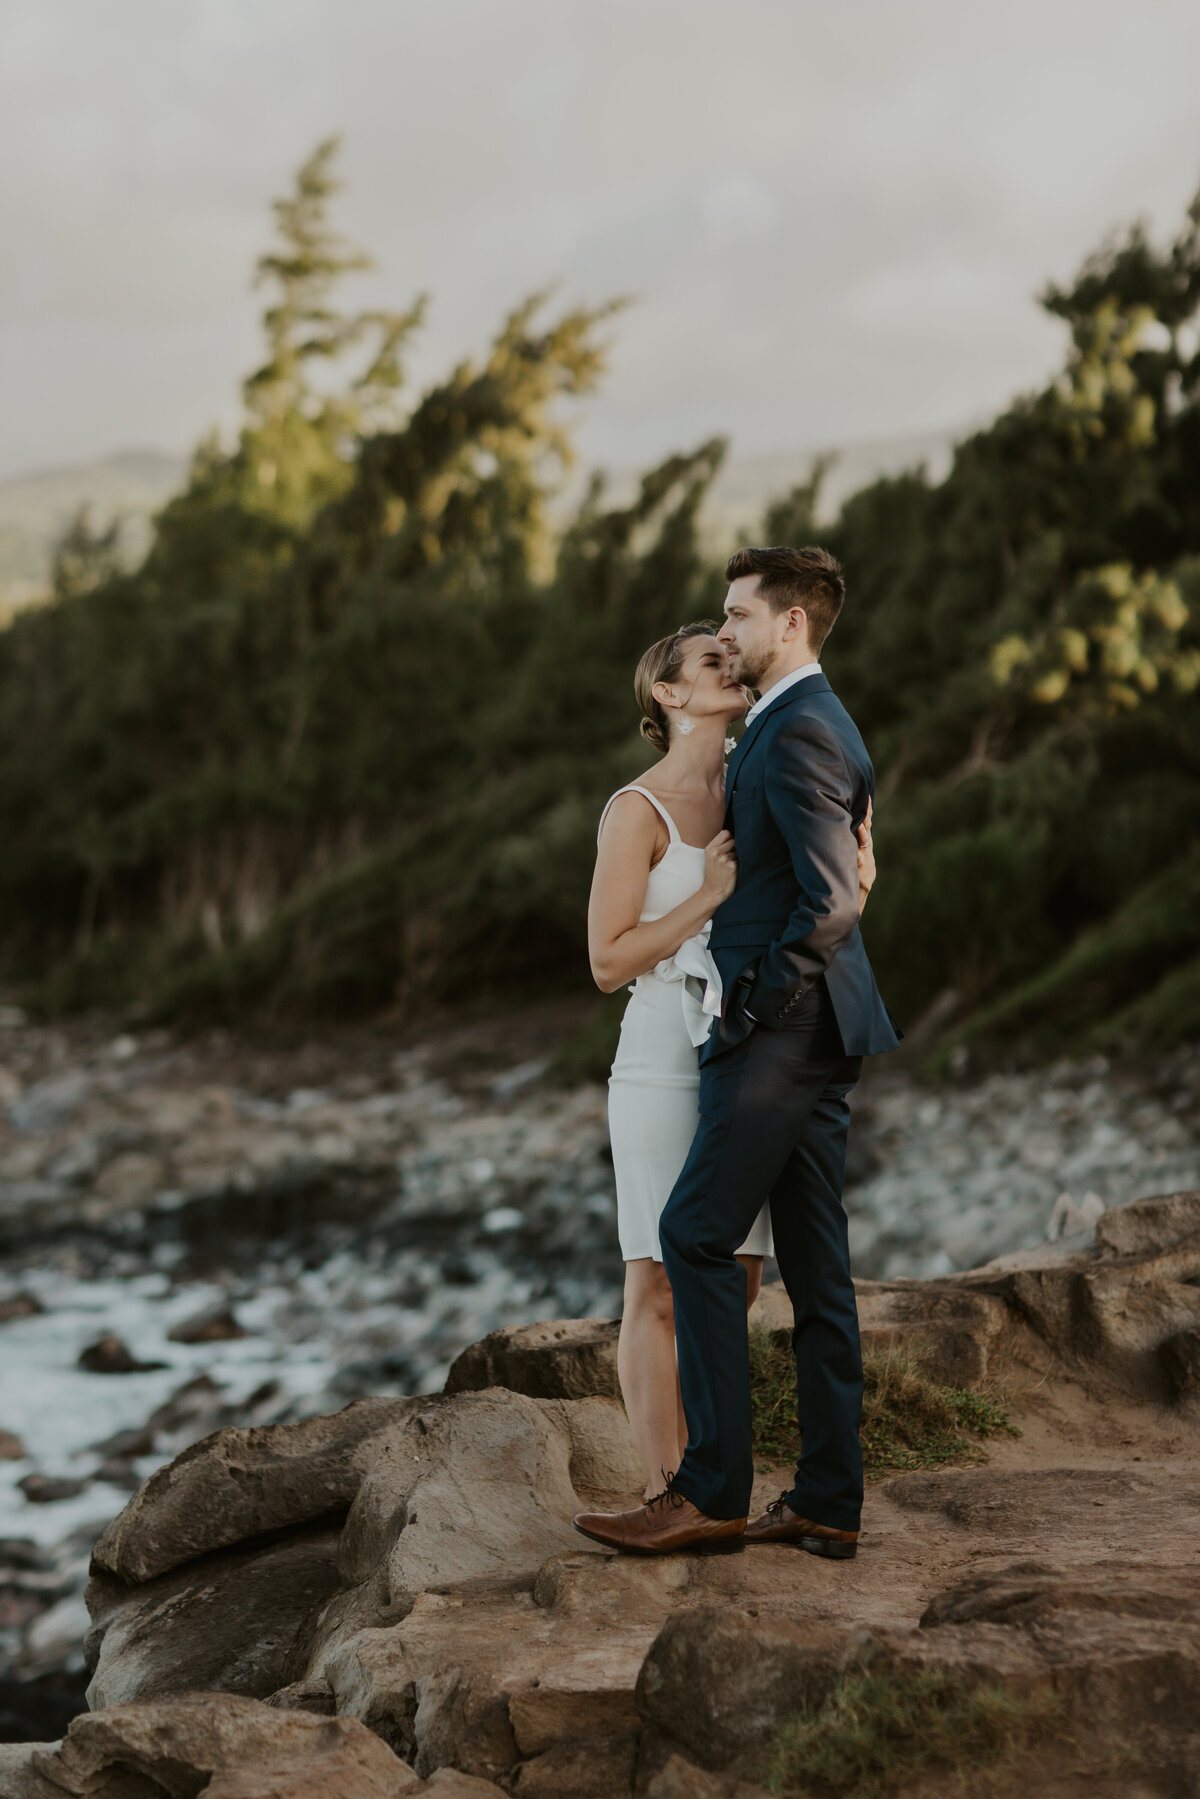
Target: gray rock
[(228, 1623), (47, 1489), (465, 1487), (19, 1305), (719, 1684), (462, 1722), (19, 1779), (450, 1783), (126, 1444), (1149, 1226), (225, 1747), (602, 1456), (51, 1103), (588, 1697), (1180, 1358), (952, 1332), (564, 1359), (78, 1163), (240, 1483), (588, 1768), (680, 1779), (215, 1324), (112, 1355), (1111, 1309)]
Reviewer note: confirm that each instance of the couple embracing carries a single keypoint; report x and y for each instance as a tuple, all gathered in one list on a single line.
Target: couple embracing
[(752, 1006)]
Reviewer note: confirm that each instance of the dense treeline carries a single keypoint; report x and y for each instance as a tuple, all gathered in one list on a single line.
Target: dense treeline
[(341, 739)]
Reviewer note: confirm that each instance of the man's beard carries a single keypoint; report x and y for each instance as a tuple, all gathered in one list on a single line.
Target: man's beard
[(752, 667)]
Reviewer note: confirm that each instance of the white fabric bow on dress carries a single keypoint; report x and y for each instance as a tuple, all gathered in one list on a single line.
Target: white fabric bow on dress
[(692, 964)]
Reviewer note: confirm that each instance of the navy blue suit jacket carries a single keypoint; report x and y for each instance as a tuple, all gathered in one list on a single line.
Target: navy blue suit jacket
[(796, 790)]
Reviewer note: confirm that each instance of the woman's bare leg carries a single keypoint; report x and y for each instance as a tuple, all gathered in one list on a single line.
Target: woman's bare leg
[(649, 1373), (753, 1267), (648, 1370)]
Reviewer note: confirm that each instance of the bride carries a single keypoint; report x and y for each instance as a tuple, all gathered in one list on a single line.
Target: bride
[(663, 866)]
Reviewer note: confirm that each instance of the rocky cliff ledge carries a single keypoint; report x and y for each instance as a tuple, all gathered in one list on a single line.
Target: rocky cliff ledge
[(390, 1599)]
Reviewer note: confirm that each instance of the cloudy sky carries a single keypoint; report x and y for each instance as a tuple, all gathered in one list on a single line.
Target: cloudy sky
[(832, 217)]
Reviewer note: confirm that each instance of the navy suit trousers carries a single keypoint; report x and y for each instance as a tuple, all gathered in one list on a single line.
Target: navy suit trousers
[(773, 1122)]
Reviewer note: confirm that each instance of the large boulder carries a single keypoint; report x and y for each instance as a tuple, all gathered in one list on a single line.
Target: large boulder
[(19, 1779), (569, 1358), (951, 1329), (239, 1484), (487, 1681), (596, 1685), (1147, 1227), (586, 1768), (221, 1747), (1119, 1645), (951, 1332), (457, 1503), (1108, 1311), (602, 1456), (718, 1685), (467, 1486), (227, 1623)]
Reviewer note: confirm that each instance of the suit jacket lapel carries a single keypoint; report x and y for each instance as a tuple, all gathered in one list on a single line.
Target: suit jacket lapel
[(734, 766), (811, 684)]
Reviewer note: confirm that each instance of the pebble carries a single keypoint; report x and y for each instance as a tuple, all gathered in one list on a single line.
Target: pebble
[(44, 1489), (109, 1355), (215, 1324)]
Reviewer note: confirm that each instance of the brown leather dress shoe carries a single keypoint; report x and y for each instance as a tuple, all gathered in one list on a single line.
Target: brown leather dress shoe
[(780, 1524), (664, 1525)]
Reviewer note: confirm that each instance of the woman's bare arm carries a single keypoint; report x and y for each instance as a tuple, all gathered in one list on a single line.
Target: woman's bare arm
[(866, 858), (619, 948)]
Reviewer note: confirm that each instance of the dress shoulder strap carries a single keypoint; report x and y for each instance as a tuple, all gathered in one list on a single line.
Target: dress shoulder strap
[(672, 827)]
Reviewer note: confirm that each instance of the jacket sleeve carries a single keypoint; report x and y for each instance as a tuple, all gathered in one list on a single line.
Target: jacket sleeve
[(810, 793)]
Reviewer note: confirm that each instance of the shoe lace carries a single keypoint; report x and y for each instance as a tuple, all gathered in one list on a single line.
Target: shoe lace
[(775, 1509), (668, 1496)]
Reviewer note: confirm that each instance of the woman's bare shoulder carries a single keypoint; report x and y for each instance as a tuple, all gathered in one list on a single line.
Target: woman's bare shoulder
[(631, 815)]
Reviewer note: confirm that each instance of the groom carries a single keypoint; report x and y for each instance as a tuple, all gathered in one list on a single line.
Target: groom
[(801, 1010)]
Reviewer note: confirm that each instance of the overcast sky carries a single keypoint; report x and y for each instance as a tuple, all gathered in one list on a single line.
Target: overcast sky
[(833, 217)]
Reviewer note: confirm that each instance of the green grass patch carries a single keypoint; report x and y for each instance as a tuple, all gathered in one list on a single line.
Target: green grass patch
[(876, 1730), (909, 1421)]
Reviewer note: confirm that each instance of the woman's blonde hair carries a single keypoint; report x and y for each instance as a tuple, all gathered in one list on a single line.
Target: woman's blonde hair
[(662, 662)]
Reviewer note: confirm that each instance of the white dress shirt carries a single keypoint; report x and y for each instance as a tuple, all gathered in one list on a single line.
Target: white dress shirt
[(773, 693)]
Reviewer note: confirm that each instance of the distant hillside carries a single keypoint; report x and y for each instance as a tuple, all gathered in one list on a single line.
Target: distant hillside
[(35, 507)]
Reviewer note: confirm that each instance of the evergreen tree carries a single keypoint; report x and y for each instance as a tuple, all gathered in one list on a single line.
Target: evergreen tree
[(342, 738)]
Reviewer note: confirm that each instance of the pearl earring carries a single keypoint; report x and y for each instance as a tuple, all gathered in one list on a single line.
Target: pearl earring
[(686, 727)]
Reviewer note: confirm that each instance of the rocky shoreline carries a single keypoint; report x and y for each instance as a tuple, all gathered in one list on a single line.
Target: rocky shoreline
[(269, 1233), (390, 1600)]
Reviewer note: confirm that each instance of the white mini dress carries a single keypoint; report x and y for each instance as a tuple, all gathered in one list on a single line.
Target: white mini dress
[(655, 1080)]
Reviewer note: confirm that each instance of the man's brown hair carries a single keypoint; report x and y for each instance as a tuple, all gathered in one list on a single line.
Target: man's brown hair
[(811, 578)]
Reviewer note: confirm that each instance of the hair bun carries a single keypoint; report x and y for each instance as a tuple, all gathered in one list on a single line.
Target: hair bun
[(654, 734)]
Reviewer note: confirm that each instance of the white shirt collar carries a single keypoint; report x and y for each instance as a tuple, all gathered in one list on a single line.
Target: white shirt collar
[(769, 698)]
